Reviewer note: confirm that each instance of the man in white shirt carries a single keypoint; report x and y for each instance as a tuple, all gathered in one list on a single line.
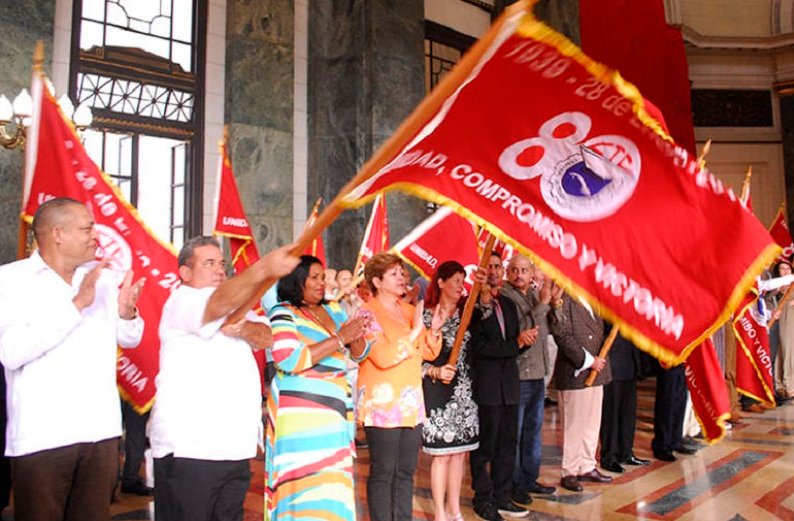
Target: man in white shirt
[(207, 418), (61, 316)]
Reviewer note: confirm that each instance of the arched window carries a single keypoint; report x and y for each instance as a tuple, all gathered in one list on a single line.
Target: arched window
[(140, 65)]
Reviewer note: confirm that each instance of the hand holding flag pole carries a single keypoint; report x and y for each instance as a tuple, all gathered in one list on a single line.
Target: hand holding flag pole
[(779, 308), (605, 348), (470, 301)]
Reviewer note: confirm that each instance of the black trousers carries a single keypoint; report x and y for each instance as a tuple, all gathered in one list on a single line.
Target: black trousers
[(134, 444), (498, 442), (393, 455), (188, 489), (669, 410), (618, 421)]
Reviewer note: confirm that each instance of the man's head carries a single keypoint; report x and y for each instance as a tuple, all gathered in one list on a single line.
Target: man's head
[(64, 230), (519, 272), (201, 263), (330, 279), (494, 271), (344, 280)]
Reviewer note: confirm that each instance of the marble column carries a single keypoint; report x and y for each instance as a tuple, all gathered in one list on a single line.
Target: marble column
[(259, 107), (21, 24), (366, 75)]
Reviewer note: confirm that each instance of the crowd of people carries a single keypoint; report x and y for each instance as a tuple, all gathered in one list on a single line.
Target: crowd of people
[(376, 357)]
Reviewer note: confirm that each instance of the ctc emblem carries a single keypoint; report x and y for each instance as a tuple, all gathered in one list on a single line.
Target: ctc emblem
[(580, 179)]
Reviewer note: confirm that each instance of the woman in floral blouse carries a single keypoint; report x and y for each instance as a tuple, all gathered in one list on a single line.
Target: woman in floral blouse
[(390, 401)]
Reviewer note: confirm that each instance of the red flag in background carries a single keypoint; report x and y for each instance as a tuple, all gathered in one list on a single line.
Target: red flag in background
[(634, 38), (316, 248), (376, 236), (58, 166), (753, 361), (441, 237), (230, 219), (231, 222), (706, 384), (780, 232), (583, 181)]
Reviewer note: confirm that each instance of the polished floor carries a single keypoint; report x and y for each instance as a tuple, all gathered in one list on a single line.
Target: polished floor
[(748, 476)]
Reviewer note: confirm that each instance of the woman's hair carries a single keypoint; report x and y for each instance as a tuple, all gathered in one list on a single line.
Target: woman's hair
[(776, 269), (444, 272), (379, 264), (290, 288)]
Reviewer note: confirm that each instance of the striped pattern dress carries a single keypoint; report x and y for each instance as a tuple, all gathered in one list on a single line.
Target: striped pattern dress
[(310, 430)]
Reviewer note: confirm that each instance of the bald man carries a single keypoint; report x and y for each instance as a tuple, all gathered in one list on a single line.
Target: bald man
[(62, 314)]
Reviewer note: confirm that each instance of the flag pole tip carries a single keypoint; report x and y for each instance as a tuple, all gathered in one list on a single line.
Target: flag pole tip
[(38, 56)]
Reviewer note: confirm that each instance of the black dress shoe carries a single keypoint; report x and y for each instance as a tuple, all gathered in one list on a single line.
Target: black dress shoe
[(685, 450), (664, 456), (612, 466), (571, 483), (522, 498), (137, 489), (634, 460), (511, 510), (537, 488), (594, 477), (487, 512)]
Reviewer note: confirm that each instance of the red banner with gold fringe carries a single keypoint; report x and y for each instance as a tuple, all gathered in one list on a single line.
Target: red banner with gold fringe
[(59, 166), (556, 154)]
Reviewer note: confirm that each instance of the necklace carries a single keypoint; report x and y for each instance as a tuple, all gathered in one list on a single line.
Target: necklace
[(316, 319)]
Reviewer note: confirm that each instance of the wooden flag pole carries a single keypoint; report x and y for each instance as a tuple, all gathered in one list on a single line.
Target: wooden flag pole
[(468, 309), (22, 238), (603, 354), (783, 301)]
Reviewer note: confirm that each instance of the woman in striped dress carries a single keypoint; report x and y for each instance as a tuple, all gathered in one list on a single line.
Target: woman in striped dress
[(310, 429)]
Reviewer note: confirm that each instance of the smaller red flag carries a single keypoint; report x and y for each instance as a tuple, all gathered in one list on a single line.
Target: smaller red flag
[(753, 361), (230, 219), (780, 232), (376, 236), (441, 237), (706, 385)]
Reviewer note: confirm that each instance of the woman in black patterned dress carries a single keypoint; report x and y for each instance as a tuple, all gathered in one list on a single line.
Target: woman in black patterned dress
[(451, 428)]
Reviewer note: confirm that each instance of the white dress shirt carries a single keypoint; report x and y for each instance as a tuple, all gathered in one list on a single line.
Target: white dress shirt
[(208, 404), (60, 363)]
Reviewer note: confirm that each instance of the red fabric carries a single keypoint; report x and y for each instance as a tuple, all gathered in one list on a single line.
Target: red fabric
[(230, 219), (707, 388), (63, 169), (441, 237), (781, 234), (376, 236), (753, 359), (231, 222), (555, 154), (634, 38)]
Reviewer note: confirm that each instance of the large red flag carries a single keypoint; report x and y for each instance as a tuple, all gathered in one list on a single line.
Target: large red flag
[(58, 166), (780, 232), (555, 153), (230, 219), (707, 388), (376, 236), (231, 222), (441, 237)]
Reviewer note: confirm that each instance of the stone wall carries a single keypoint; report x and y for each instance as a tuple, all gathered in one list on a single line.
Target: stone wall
[(21, 24), (259, 107)]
